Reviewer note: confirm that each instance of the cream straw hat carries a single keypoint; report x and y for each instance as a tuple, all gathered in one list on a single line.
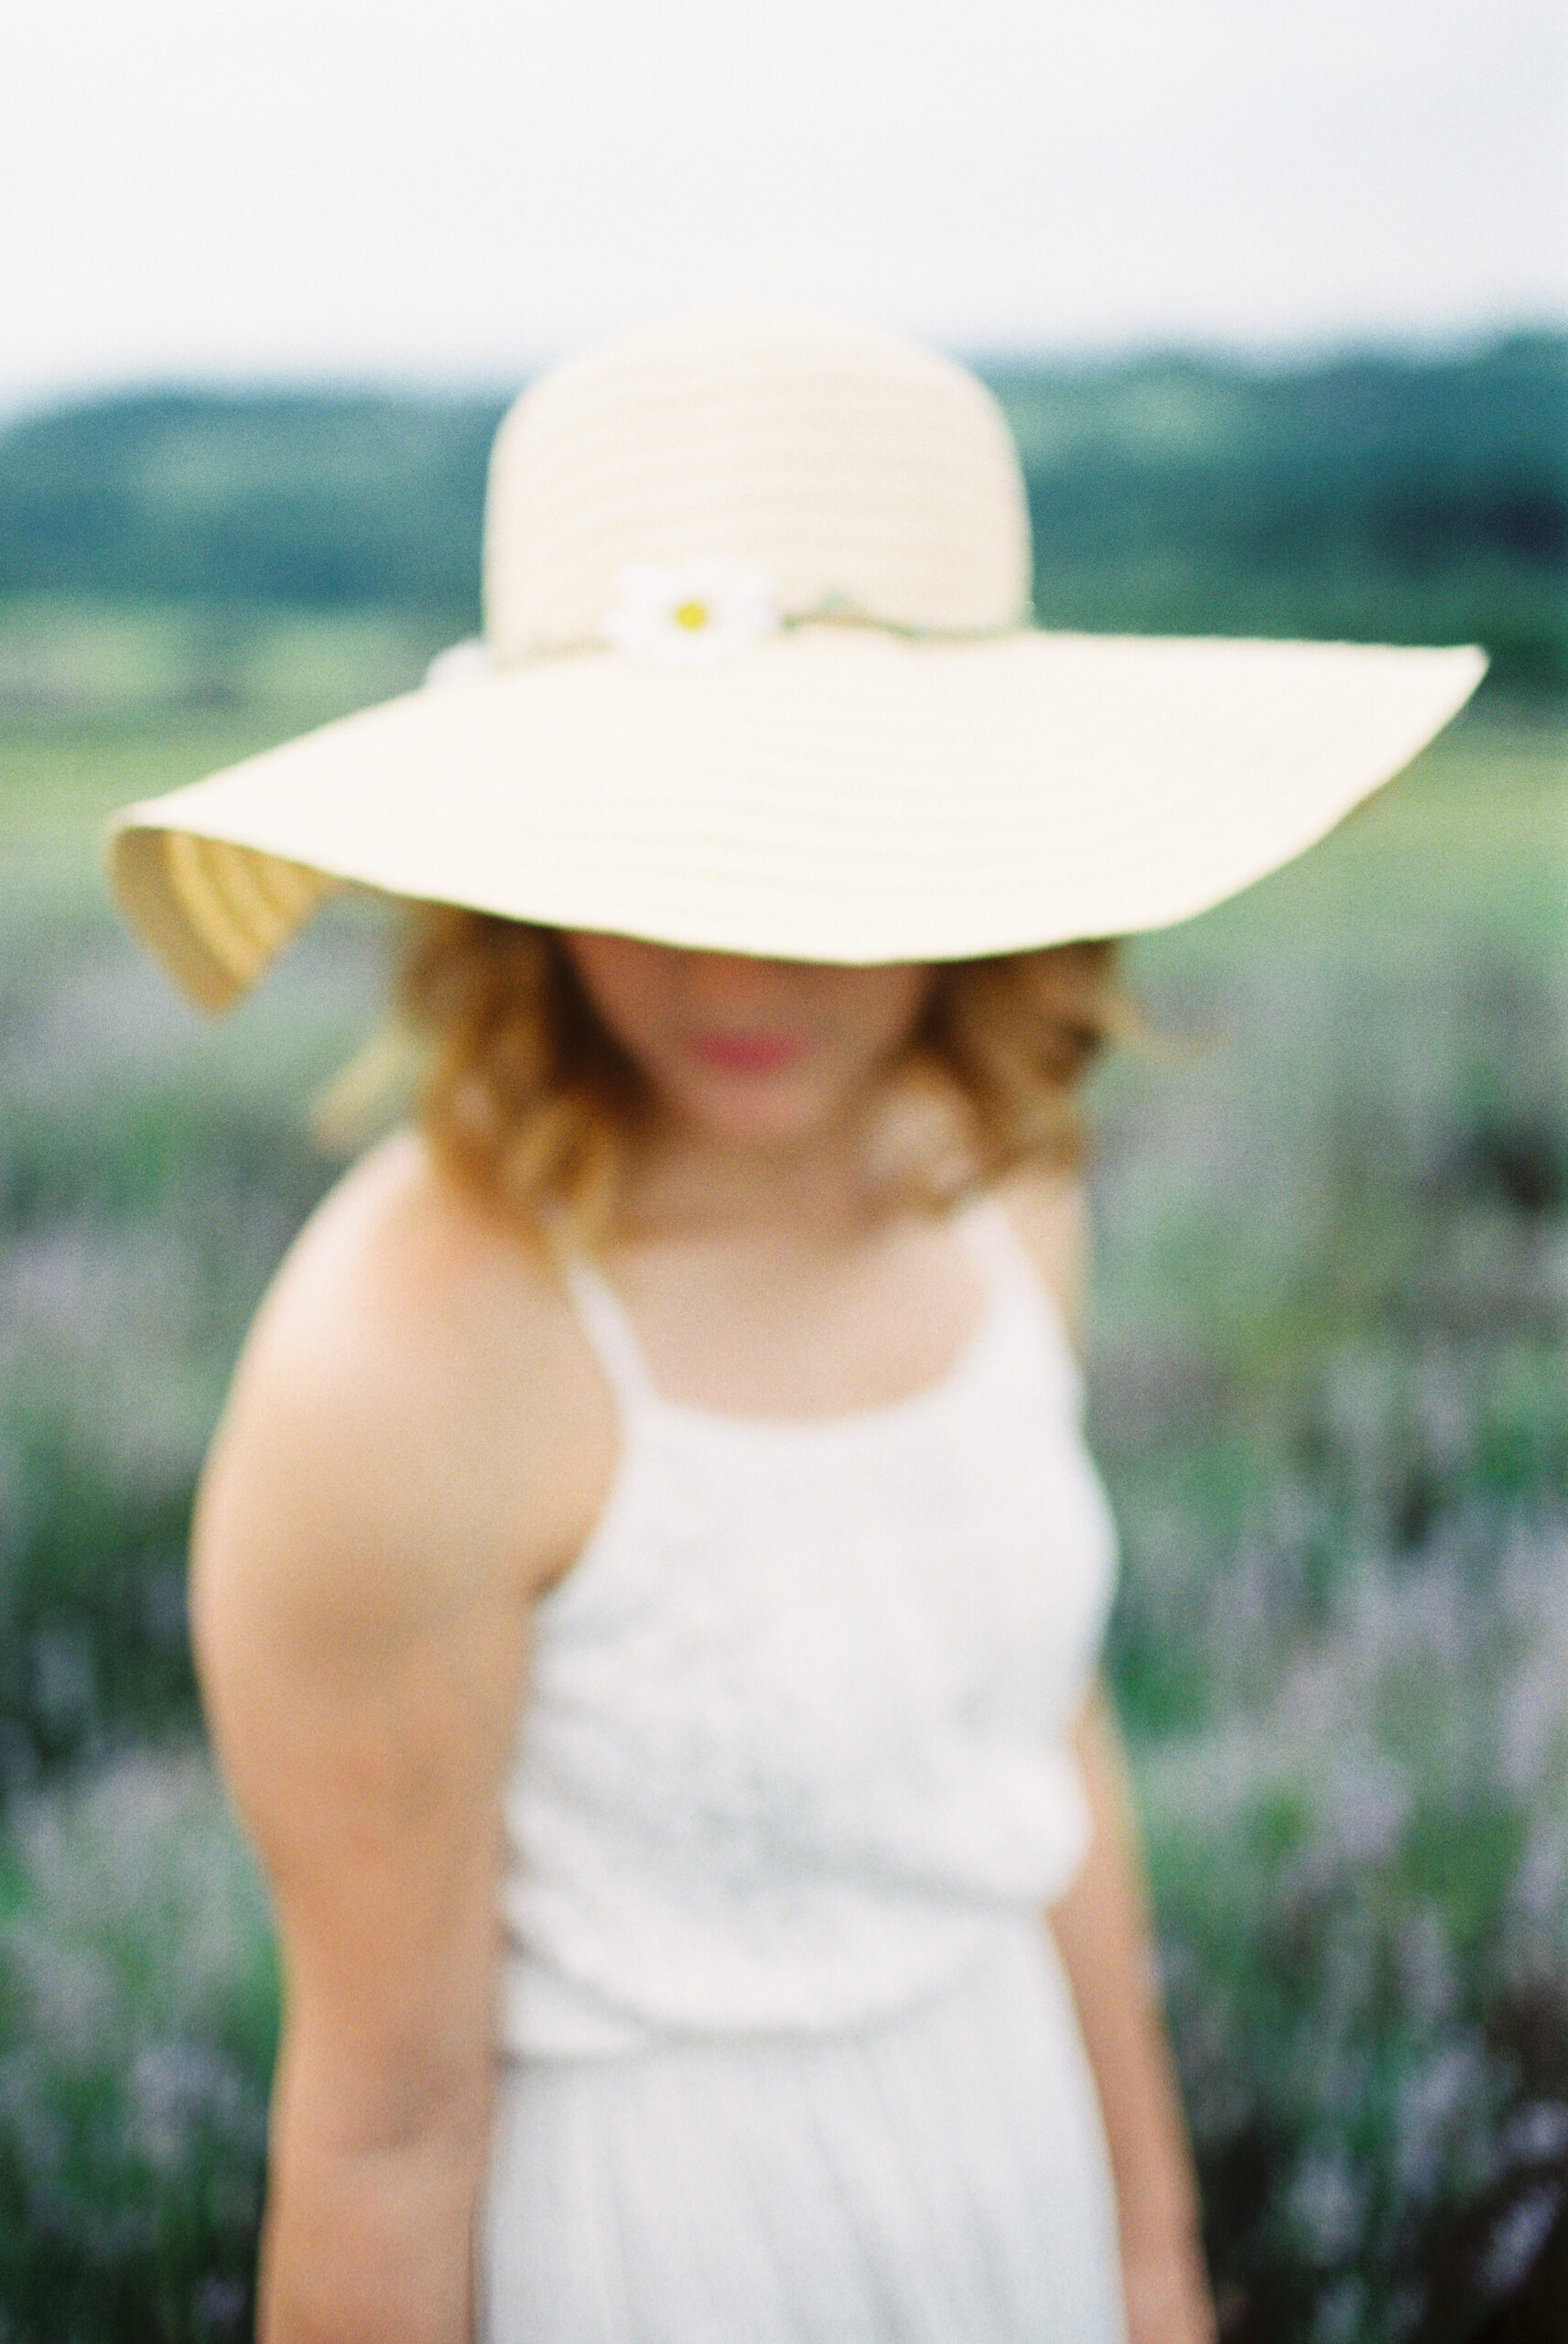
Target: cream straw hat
[(758, 676)]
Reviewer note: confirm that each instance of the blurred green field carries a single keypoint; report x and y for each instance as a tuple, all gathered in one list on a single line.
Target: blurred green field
[(1331, 1199), (1384, 496)]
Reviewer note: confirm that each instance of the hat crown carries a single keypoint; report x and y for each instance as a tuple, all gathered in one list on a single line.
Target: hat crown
[(856, 470)]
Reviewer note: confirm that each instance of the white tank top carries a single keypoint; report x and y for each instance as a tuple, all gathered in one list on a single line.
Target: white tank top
[(795, 1742)]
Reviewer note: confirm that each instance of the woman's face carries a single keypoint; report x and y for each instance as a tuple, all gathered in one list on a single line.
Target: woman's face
[(744, 1051)]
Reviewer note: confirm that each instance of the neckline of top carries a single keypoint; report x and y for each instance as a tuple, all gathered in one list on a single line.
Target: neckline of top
[(999, 1257)]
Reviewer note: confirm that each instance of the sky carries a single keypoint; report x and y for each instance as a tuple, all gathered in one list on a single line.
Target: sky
[(374, 190)]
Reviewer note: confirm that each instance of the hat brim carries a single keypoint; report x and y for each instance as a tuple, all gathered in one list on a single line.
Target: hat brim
[(827, 793)]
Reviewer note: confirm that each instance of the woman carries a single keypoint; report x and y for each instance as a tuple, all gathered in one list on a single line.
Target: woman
[(648, 1579)]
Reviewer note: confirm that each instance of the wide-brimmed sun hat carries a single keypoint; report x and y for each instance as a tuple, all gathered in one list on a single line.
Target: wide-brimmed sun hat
[(758, 676)]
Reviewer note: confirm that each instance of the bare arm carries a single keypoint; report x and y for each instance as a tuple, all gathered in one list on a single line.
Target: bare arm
[(360, 1600), (363, 1713), (1102, 1929), (385, 1882)]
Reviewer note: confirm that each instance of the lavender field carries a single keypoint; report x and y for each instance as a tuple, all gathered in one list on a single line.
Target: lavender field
[(1330, 1394)]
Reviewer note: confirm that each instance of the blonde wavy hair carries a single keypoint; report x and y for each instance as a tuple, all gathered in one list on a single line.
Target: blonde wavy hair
[(532, 1106)]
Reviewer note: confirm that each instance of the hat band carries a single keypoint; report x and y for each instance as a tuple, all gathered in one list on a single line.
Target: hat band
[(473, 659), (834, 610)]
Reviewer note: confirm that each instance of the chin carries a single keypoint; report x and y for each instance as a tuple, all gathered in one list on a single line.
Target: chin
[(758, 1116)]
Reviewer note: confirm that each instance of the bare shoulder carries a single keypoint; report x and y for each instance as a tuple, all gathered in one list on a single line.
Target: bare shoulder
[(1048, 1211), (391, 1478), (407, 1344)]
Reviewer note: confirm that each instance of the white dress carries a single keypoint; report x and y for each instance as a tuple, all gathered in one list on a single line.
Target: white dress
[(787, 2052)]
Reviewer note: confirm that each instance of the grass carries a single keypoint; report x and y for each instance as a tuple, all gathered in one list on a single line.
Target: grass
[(1329, 1395), (140, 2012), (1331, 1200)]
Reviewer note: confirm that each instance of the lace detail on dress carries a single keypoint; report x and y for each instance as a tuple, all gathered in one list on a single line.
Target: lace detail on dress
[(795, 1744)]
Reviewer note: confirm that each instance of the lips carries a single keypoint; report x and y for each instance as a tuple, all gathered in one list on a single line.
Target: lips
[(743, 1053)]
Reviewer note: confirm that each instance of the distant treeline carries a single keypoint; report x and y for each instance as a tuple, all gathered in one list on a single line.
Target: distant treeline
[(313, 498), (1370, 497)]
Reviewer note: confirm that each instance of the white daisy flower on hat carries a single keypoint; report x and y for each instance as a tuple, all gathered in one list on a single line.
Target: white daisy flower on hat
[(698, 610)]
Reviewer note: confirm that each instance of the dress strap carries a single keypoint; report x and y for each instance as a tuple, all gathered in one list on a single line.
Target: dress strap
[(988, 1231), (1009, 1269), (603, 1318)]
